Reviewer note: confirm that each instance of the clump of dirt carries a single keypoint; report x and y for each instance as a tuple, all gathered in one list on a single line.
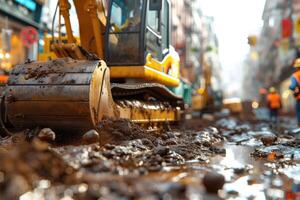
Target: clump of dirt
[(95, 171), (117, 131), (37, 73), (130, 149)]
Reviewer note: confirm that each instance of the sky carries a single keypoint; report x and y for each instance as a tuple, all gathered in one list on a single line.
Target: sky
[(235, 20)]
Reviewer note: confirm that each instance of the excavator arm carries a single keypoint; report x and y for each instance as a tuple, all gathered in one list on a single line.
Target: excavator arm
[(92, 22)]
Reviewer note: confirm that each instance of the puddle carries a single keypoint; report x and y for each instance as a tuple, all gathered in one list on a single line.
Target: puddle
[(252, 178)]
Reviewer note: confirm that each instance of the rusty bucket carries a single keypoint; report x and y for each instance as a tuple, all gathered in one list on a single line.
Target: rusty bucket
[(63, 94)]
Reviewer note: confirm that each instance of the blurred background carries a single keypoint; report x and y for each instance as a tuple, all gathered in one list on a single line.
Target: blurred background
[(237, 48)]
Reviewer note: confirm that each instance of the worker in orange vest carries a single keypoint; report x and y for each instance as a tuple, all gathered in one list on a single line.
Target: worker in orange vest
[(295, 87), (274, 104)]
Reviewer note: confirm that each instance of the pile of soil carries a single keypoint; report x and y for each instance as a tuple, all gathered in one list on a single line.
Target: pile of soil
[(25, 164)]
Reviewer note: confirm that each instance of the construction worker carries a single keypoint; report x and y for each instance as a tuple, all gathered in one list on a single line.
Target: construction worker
[(274, 104), (295, 87)]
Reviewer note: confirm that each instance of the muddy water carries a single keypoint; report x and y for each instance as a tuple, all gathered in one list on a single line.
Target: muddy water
[(239, 168), (256, 168), (246, 177)]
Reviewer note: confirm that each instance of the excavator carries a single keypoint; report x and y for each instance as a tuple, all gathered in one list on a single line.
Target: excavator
[(206, 99), (122, 66)]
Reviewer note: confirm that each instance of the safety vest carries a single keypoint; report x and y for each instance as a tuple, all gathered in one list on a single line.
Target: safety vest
[(296, 75), (274, 101)]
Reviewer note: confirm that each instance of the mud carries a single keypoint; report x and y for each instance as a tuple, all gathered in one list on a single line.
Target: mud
[(118, 131), (26, 164), (257, 161)]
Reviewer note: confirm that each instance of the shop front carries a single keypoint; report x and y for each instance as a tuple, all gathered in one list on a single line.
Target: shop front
[(19, 27)]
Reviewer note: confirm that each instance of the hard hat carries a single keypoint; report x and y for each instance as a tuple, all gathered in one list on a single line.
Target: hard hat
[(297, 63), (272, 90)]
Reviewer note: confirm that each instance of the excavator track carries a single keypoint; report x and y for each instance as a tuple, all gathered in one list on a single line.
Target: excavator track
[(155, 90), (70, 95)]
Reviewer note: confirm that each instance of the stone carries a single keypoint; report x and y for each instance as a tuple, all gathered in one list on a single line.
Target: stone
[(46, 134), (90, 137), (268, 140), (162, 151), (213, 182)]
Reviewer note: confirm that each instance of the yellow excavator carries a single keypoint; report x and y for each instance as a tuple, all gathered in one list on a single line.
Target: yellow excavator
[(121, 67)]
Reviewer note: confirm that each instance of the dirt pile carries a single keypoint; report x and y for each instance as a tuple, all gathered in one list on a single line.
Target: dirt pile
[(27, 163), (117, 131), (36, 169), (140, 152)]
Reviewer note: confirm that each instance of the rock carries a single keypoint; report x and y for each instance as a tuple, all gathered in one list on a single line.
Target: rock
[(214, 130), (46, 134), (198, 142), (164, 136), (171, 142), (174, 158), (162, 151), (233, 192), (170, 135), (158, 142), (217, 150), (206, 144), (109, 146), (252, 180), (213, 182), (90, 137), (147, 142), (268, 140), (239, 170), (108, 154), (142, 171)]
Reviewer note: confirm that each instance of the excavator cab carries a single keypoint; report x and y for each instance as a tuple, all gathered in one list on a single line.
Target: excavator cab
[(136, 29)]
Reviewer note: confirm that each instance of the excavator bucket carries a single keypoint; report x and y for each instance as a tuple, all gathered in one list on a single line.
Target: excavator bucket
[(63, 94)]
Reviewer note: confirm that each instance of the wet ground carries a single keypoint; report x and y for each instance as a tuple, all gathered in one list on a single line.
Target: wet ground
[(191, 161)]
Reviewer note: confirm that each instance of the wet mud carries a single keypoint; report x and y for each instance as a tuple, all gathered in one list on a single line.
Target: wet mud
[(225, 158)]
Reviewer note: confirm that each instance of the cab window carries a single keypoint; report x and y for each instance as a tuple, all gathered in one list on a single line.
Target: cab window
[(124, 32), (165, 26), (153, 32)]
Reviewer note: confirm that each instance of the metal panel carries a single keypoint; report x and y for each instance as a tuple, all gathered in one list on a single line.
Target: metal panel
[(52, 79), (49, 93)]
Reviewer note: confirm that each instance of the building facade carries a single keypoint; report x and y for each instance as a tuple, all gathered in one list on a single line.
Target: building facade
[(20, 23), (195, 40), (278, 46)]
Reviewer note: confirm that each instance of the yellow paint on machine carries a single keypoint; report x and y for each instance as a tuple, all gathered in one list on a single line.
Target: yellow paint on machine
[(144, 72), (170, 64), (150, 115)]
